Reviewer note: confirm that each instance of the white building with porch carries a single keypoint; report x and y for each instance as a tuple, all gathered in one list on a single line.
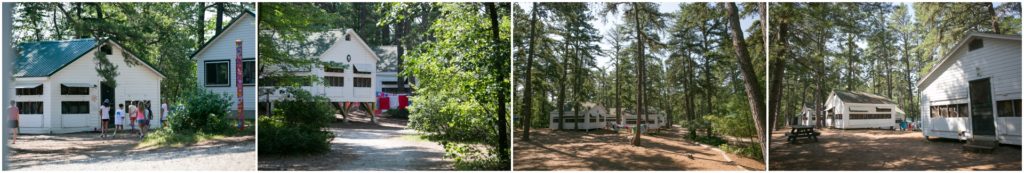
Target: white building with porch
[(857, 110), (975, 91)]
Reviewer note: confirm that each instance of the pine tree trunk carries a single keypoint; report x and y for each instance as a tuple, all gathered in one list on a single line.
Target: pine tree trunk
[(503, 142), (528, 84), (751, 84)]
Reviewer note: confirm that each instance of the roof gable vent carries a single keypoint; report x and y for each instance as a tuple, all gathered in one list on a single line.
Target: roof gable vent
[(975, 44)]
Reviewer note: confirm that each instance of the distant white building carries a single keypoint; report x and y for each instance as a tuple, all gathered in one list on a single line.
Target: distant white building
[(215, 62), (854, 110), (975, 91), (353, 78), (387, 72), (58, 89), (591, 117)]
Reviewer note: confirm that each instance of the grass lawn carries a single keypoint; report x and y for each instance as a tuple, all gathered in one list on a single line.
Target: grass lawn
[(163, 137)]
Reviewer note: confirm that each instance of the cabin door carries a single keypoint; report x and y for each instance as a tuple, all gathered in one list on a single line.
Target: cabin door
[(107, 93), (982, 121)]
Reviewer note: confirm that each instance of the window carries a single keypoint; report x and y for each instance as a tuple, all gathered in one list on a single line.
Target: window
[(869, 116), (963, 110), (74, 107), (883, 109), (335, 81), (950, 111), (218, 73), (38, 90), (249, 72), (333, 69), (1009, 108), (975, 44), (30, 107), (362, 82), (66, 90), (107, 50)]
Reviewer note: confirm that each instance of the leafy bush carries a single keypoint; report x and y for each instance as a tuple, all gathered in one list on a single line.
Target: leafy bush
[(205, 112), (749, 151), (296, 125), (276, 137), (399, 113), (474, 157)]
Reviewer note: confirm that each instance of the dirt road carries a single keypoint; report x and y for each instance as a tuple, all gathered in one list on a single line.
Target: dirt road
[(85, 151), (884, 150), (361, 145), (608, 150)]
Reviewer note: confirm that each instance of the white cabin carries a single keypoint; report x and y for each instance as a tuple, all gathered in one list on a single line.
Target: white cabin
[(806, 116), (354, 79), (58, 90), (592, 117), (215, 63), (857, 110), (653, 120), (975, 90)]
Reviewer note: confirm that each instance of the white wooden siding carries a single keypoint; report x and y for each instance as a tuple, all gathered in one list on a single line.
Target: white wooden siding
[(999, 60), (134, 82), (223, 48)]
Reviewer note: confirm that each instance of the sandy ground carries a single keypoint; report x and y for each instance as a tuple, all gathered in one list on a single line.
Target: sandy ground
[(608, 150), (884, 150), (361, 145), (86, 151)]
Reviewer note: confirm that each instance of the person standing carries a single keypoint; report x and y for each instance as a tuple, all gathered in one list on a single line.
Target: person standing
[(164, 112), (104, 117), (118, 119), (15, 113), (140, 119), (132, 109)]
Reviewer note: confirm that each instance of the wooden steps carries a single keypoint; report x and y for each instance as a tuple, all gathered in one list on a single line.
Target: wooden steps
[(981, 143)]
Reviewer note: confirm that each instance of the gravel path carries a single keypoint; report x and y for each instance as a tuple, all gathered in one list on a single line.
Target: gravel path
[(360, 145), (85, 152), (387, 149)]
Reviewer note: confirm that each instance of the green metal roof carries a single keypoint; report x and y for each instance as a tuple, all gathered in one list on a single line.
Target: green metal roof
[(43, 58)]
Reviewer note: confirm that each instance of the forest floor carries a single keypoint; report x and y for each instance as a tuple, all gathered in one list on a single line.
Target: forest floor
[(361, 145), (884, 150), (86, 151), (609, 150)]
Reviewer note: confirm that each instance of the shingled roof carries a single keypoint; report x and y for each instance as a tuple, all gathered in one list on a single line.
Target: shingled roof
[(861, 97)]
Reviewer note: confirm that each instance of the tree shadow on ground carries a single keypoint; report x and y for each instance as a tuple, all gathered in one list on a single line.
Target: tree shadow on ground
[(881, 150)]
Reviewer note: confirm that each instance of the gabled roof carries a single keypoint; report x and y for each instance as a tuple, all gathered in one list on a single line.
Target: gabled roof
[(215, 37), (949, 58), (861, 97), (44, 58), (373, 54)]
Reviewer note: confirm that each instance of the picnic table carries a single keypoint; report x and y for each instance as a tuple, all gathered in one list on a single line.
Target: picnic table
[(799, 131)]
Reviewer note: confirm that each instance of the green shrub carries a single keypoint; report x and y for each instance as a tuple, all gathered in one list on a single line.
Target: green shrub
[(304, 109), (205, 112), (749, 151), (296, 125), (474, 157), (399, 113), (276, 137)]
